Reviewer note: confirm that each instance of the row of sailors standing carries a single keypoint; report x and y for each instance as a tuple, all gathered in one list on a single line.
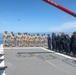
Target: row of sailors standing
[(24, 40), (63, 43)]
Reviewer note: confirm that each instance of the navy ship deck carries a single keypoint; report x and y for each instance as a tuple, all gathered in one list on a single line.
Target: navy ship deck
[(37, 61)]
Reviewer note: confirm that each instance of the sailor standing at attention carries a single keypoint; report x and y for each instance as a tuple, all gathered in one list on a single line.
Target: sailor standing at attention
[(20, 40), (24, 39), (42, 40), (11, 34), (33, 40), (38, 40), (17, 37), (45, 40), (5, 35), (32, 43), (49, 42), (28, 40), (13, 40)]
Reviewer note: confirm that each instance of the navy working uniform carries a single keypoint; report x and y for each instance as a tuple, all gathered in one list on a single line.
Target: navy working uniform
[(71, 44), (63, 42), (49, 42), (74, 45), (67, 44), (58, 43), (53, 41)]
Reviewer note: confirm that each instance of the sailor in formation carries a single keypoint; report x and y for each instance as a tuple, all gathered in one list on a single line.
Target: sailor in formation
[(13, 40), (20, 40), (38, 40), (5, 35), (59, 42), (24, 40), (42, 40), (11, 35)]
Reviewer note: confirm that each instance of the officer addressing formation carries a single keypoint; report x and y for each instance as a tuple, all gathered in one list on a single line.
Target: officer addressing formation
[(61, 42)]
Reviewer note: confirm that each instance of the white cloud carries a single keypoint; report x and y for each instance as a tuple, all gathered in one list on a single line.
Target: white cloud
[(66, 27)]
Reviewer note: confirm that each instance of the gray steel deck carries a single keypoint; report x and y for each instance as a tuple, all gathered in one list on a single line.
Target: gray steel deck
[(37, 61)]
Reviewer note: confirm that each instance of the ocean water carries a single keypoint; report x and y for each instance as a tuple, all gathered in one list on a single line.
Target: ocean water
[(1, 38)]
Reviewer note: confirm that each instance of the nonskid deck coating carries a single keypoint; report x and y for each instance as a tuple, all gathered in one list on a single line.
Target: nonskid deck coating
[(37, 61)]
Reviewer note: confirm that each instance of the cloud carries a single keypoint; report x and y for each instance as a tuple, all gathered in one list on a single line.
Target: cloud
[(66, 27)]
